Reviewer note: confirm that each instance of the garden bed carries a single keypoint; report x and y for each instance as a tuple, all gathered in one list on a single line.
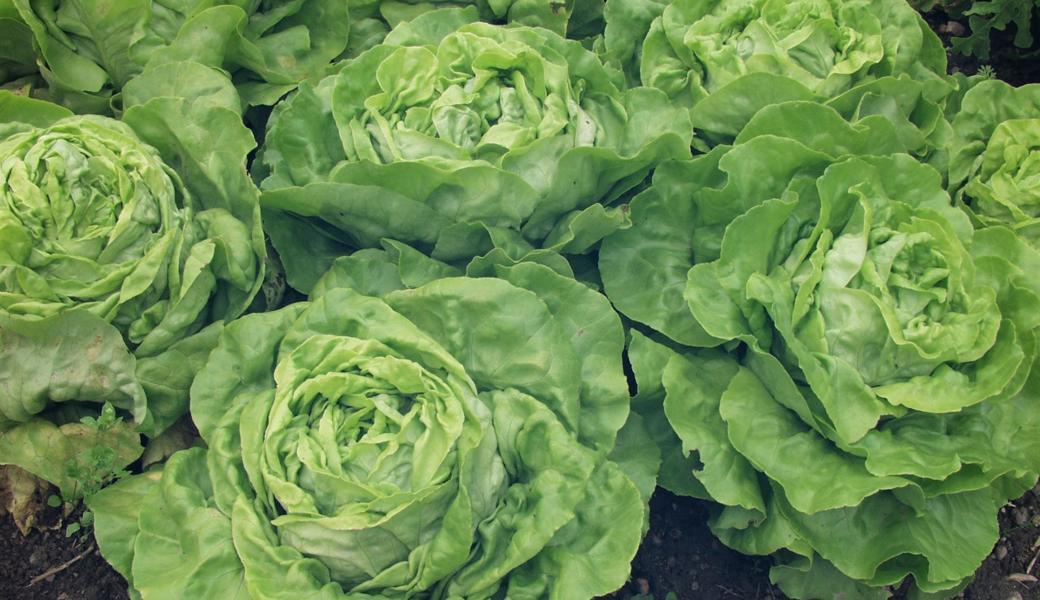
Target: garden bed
[(679, 555)]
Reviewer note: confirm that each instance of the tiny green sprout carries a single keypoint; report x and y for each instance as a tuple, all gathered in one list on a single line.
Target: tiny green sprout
[(81, 526), (104, 421), (987, 72), (91, 470)]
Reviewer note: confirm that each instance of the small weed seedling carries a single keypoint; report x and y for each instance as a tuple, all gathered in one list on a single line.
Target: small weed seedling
[(90, 470)]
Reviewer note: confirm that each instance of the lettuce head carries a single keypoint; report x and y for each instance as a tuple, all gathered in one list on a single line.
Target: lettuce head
[(461, 139), (450, 440), (832, 353), (994, 166)]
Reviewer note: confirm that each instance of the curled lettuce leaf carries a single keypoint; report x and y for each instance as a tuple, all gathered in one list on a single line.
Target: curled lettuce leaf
[(837, 351), (90, 50), (460, 140), (994, 166), (576, 19), (726, 60), (448, 440)]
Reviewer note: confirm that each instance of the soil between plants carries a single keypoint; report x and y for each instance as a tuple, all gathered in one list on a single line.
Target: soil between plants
[(23, 559)]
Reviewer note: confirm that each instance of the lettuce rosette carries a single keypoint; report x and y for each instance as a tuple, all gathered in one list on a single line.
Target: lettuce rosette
[(116, 267), (827, 349), (994, 166), (449, 440), (726, 60), (461, 139), (89, 51)]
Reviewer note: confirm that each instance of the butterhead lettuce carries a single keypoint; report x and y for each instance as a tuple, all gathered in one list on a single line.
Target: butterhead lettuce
[(725, 60), (445, 441), (460, 138), (855, 352), (119, 259), (994, 166), (89, 50)]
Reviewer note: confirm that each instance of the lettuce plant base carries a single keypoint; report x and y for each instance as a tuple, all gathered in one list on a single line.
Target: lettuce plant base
[(678, 556), (1016, 551), (681, 556)]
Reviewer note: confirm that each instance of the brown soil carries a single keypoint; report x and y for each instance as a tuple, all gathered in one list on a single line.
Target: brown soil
[(72, 567), (681, 556)]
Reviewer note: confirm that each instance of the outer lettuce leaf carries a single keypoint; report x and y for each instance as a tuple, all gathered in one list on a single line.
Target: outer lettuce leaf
[(383, 440), (500, 139), (854, 351), (817, 578), (121, 503), (649, 360), (636, 453), (17, 61), (51, 451), (54, 370), (60, 344), (167, 377), (727, 60)]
